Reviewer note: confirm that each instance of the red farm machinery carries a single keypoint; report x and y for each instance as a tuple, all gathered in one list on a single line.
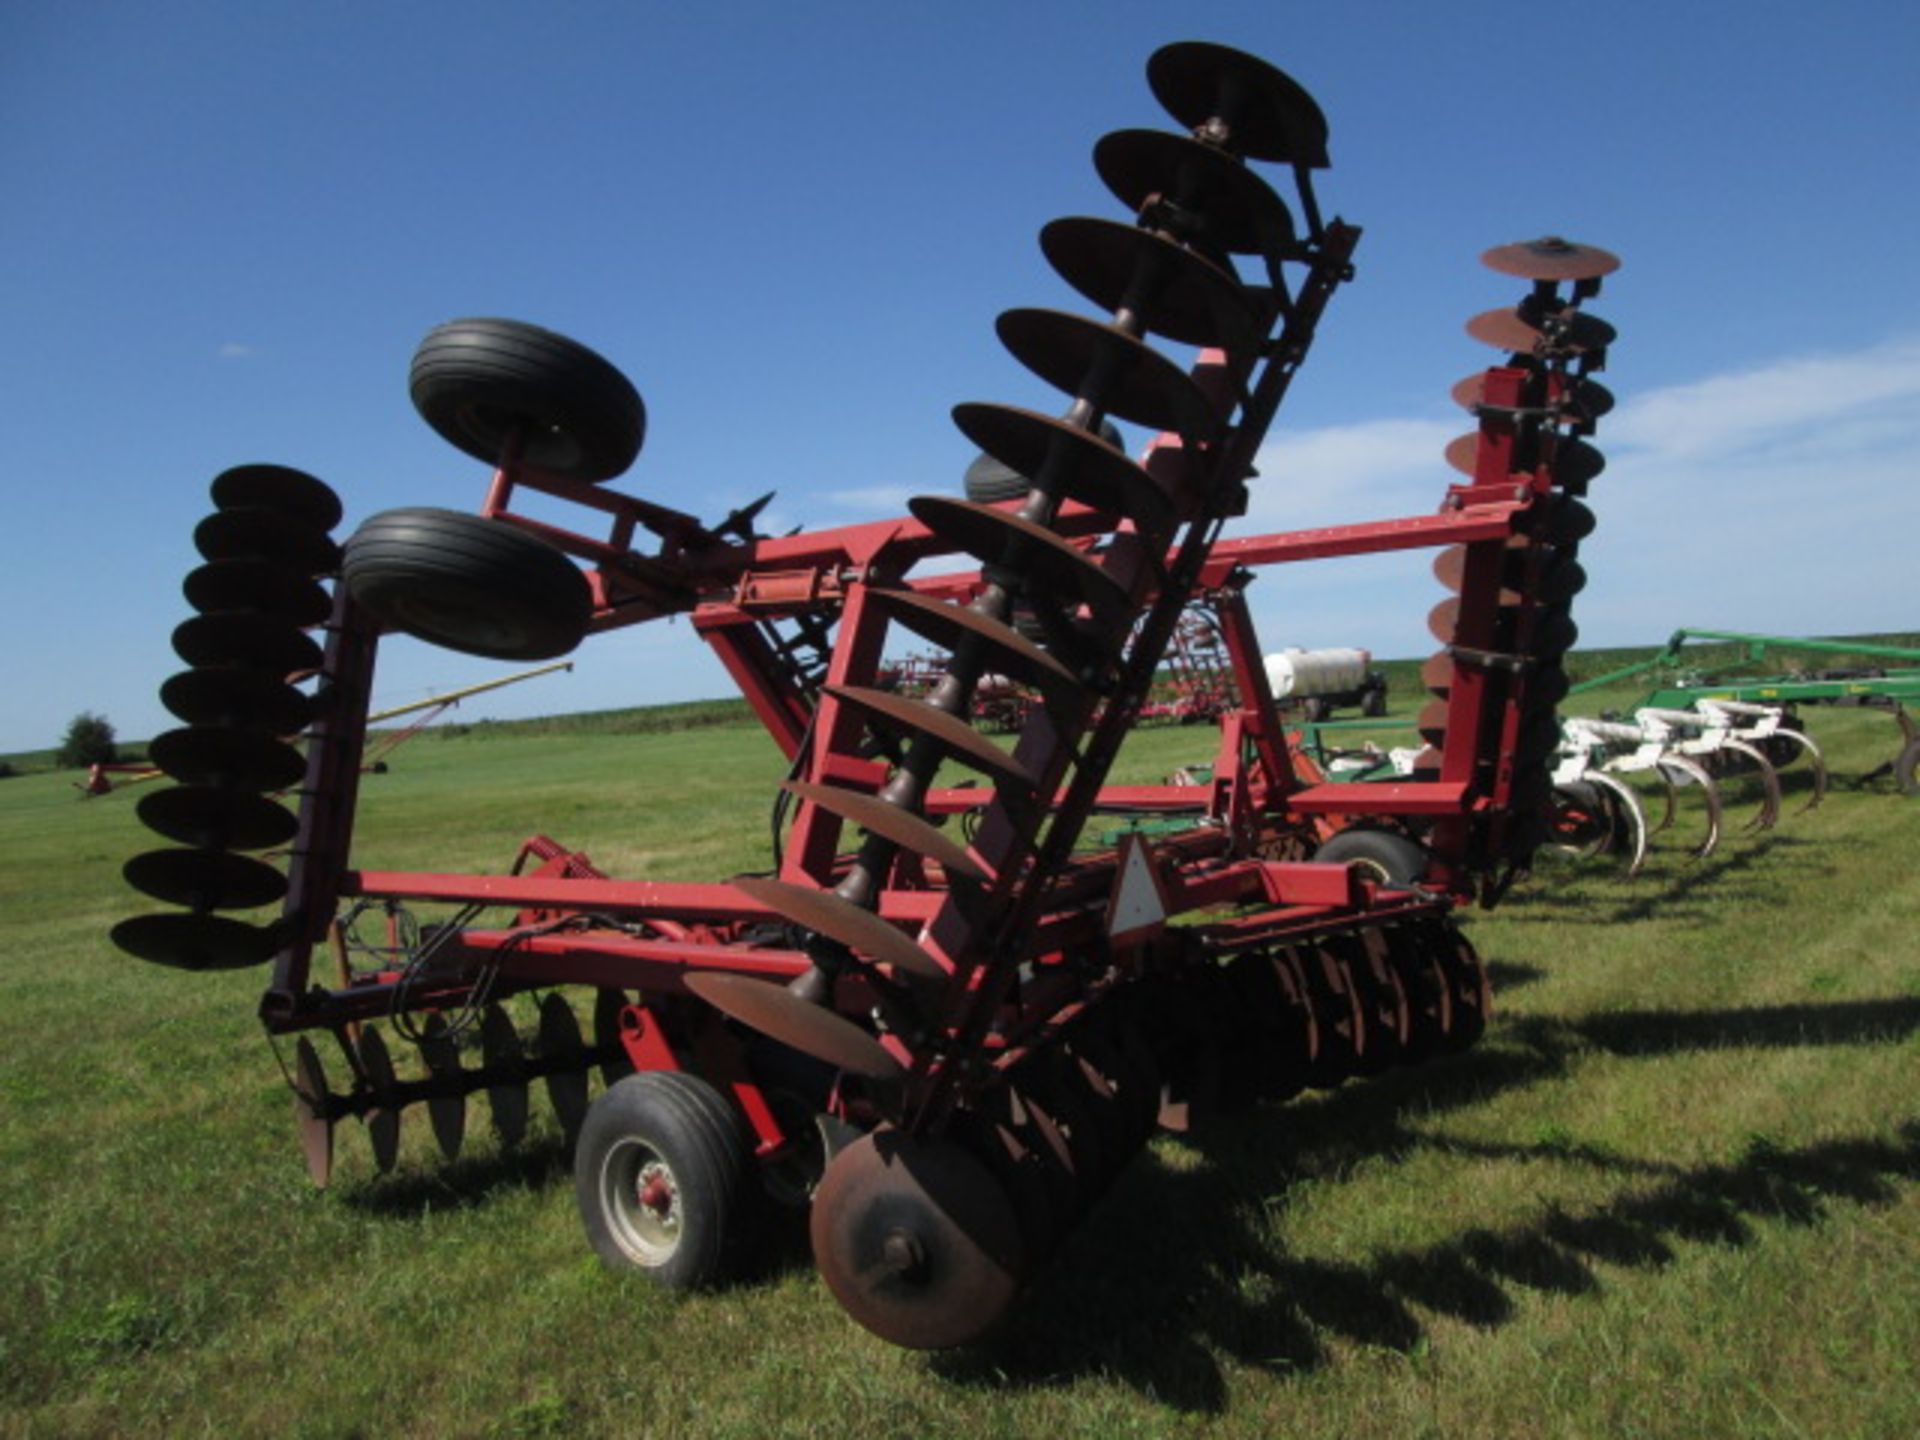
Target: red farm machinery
[(941, 1041)]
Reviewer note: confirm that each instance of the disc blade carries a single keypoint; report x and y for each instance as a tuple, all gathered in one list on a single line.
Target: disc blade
[(957, 738), (257, 533), (777, 1012), (1551, 258), (310, 1112), (249, 699), (1432, 722), (1577, 333), (205, 879), (1564, 520), (382, 1115), (564, 1059), (248, 639), (1463, 452), (947, 624), (1443, 620), (447, 1106), (281, 488), (219, 755), (916, 1239), (1268, 114), (217, 818), (1032, 554), (187, 941), (1436, 672), (1064, 459), (859, 930), (1166, 287), (1575, 463), (506, 1068), (260, 585), (1232, 208), (1117, 373), (902, 827)]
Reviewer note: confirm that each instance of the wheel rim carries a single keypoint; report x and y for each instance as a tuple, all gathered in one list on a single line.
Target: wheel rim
[(641, 1199)]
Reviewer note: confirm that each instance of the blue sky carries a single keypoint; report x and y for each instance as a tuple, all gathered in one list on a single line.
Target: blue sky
[(226, 226)]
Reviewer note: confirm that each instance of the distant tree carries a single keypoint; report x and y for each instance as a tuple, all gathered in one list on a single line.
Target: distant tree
[(89, 742)]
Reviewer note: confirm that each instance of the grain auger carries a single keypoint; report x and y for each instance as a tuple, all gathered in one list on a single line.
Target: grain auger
[(943, 1046)]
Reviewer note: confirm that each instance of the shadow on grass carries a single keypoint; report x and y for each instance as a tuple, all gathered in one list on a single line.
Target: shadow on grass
[(1180, 1266), (464, 1183), (1689, 893)]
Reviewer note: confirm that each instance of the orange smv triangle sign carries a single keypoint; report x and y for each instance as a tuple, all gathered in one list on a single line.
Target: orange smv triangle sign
[(1137, 909)]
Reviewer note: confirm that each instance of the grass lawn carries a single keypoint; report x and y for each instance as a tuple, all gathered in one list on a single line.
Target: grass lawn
[(1676, 1191)]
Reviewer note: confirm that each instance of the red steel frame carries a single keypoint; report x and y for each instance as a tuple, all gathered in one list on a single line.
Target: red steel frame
[(1256, 805)]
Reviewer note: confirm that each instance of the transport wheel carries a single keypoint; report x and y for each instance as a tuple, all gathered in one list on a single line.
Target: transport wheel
[(483, 384), (1375, 703), (1384, 856), (661, 1175), (1906, 769), (467, 583)]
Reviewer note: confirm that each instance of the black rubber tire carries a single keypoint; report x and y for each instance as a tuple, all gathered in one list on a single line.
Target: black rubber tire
[(470, 584), (1393, 859), (479, 382), (1374, 704), (678, 1123), (1906, 769)]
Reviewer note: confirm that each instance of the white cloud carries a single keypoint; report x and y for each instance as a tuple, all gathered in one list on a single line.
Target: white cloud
[(1779, 498), (873, 501), (234, 350)]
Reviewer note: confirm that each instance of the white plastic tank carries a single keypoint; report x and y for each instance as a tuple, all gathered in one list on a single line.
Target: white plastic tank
[(1297, 673)]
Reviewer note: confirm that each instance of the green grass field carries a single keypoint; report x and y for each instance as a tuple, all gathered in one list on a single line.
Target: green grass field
[(1675, 1192)]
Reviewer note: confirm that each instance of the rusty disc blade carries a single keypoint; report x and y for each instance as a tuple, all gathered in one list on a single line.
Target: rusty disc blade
[(1040, 559), (506, 1067), (1575, 463), (186, 941), (226, 696), (217, 817), (1463, 451), (1113, 371), (382, 1115), (902, 827), (1470, 393), (219, 755), (1269, 115), (1168, 288), (917, 1240), (1229, 206), (256, 533), (1432, 722), (447, 1106), (246, 638), (859, 930), (310, 1112), (259, 585), (777, 1012), (1014, 656), (1443, 620), (1064, 459), (1551, 258), (205, 879), (1436, 672), (1450, 567), (564, 1058), (915, 718), (281, 488), (1575, 333)]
